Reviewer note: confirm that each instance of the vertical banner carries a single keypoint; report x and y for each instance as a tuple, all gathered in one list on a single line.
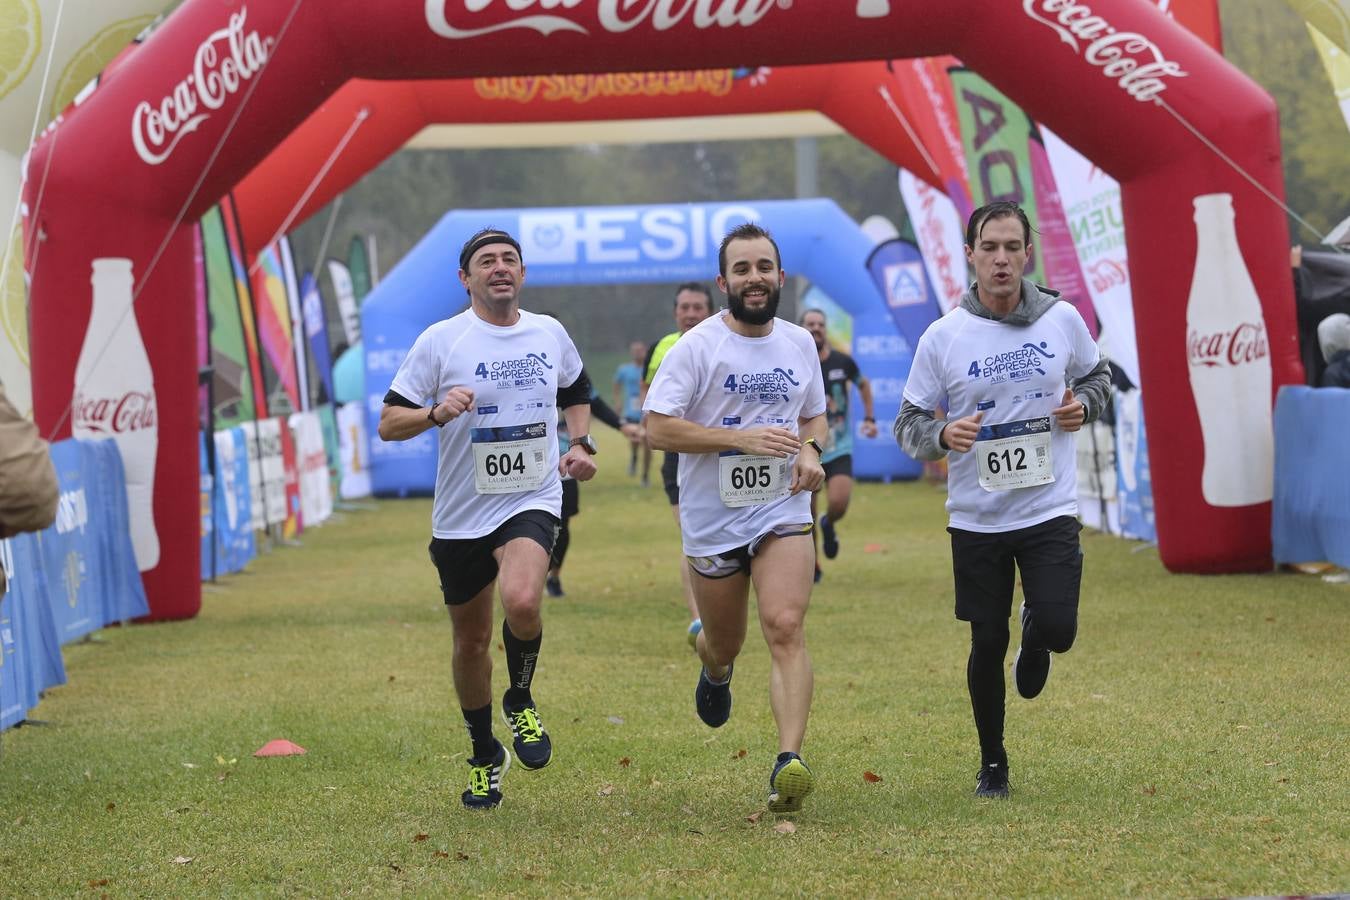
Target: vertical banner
[(1091, 201), (272, 469), (1055, 247), (358, 264), (997, 134), (924, 86), (940, 232), (30, 652), (354, 473), (203, 330), (298, 342), (1134, 478), (264, 375), (898, 270), (316, 499), (236, 374), (207, 491), (1098, 502), (344, 292), (233, 520), (70, 558), (331, 448), (273, 309), (292, 524), (316, 332)]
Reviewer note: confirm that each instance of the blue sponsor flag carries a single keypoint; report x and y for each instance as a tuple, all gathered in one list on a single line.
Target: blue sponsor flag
[(897, 268)]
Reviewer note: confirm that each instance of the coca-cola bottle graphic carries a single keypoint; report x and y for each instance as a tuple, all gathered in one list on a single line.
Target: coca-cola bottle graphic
[(115, 397), (1229, 358)]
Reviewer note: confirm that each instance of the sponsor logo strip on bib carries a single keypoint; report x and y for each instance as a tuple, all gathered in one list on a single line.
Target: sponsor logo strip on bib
[(510, 458), (1014, 454), (745, 480)]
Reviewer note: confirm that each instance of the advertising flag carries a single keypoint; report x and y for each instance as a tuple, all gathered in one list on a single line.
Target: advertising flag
[(939, 230)]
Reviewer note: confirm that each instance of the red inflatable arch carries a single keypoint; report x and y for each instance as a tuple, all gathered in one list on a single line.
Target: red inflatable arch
[(368, 120), (210, 94)]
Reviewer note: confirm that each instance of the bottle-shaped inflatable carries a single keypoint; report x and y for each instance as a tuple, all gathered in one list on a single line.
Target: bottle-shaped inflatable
[(115, 397), (1229, 358)]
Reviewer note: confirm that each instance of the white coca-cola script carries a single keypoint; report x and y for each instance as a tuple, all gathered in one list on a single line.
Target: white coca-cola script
[(615, 16), (1107, 273), (1244, 344), (132, 411), (1135, 62), (224, 62)]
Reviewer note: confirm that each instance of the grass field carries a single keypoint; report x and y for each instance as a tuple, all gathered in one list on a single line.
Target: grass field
[(1193, 743)]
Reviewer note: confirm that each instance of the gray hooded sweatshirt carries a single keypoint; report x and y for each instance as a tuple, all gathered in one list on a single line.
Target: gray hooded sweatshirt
[(919, 433)]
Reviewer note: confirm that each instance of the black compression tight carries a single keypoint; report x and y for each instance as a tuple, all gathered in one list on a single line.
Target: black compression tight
[(984, 677)]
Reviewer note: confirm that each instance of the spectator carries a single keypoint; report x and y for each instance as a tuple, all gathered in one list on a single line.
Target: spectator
[(28, 488), (1333, 336)]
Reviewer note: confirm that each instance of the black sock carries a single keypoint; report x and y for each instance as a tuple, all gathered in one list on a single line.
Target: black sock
[(984, 678), (479, 724), (520, 659)]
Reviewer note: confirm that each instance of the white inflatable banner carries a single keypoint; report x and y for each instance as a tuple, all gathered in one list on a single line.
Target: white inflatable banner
[(940, 235), (355, 475), (316, 496), (273, 468)]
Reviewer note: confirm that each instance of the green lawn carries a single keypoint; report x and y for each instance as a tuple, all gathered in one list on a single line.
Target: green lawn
[(1193, 743)]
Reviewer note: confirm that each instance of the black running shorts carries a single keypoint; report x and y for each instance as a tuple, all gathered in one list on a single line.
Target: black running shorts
[(840, 465), (1047, 555), (467, 566)]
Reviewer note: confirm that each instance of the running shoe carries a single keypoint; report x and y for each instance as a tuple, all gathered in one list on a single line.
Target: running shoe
[(713, 701), (554, 586), (530, 740), (789, 783), (829, 541), (992, 782), (485, 780), (692, 635), (1030, 667)]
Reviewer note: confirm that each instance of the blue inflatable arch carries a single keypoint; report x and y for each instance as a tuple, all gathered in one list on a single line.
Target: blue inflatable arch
[(630, 245)]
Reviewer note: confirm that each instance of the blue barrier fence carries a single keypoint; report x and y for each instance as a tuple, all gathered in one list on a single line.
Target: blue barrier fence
[(69, 579), (1310, 520)]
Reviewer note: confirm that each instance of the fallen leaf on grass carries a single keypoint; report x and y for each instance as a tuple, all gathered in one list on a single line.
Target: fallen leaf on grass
[(418, 838), (441, 854), (1150, 789), (785, 828), (625, 762), (395, 867), (739, 754), (605, 791), (461, 855), (222, 761), (391, 679), (1271, 762), (110, 807), (871, 778), (102, 882), (615, 720), (754, 818), (189, 765), (221, 776), (182, 860)]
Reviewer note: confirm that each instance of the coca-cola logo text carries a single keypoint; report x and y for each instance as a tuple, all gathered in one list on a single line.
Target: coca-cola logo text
[(1107, 273), (133, 411), (218, 72), (1136, 63), (615, 16), (1244, 344)]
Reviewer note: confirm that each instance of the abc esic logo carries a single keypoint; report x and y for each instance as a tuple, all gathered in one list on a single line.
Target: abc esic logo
[(648, 235)]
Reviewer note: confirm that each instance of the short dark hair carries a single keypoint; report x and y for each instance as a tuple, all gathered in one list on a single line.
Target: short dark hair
[(807, 312), (1000, 210), (482, 238), (746, 232), (697, 287)]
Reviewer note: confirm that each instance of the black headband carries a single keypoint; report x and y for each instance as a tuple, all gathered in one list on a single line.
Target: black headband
[(492, 237)]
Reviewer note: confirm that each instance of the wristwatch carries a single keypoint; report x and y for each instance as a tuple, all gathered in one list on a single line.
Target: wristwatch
[(585, 442), (814, 445)]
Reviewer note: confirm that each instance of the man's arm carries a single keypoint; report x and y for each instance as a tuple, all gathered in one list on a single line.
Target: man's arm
[(919, 432), (807, 472), (577, 462), (401, 419), (869, 427), (682, 436)]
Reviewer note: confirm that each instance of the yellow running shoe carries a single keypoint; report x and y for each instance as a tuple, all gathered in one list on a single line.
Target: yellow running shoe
[(789, 784)]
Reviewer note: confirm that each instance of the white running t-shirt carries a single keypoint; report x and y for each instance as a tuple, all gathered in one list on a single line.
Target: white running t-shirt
[(719, 379), (500, 457), (1022, 470)]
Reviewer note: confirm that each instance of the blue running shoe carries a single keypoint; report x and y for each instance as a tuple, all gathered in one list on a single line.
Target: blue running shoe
[(829, 541), (485, 780), (789, 784), (533, 748), (713, 701), (992, 782), (694, 628)]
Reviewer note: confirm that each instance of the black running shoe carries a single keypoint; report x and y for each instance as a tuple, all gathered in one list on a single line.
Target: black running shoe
[(485, 780), (554, 586), (533, 748), (815, 579), (993, 781), (829, 541), (1030, 667), (713, 701)]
